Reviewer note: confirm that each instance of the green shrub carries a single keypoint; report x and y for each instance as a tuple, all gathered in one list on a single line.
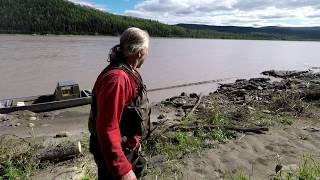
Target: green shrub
[(285, 120), (309, 169)]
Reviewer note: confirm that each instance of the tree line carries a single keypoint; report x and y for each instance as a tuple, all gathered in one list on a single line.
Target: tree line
[(65, 17)]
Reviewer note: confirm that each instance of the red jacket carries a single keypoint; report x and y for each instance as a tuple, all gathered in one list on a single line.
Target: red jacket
[(114, 90)]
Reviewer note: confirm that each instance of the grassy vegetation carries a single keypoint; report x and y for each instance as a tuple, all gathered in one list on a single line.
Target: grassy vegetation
[(174, 144), (18, 158), (308, 169), (240, 177), (85, 144), (285, 120), (88, 173), (288, 102)]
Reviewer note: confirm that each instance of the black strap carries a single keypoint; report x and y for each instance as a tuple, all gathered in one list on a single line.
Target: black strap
[(126, 67)]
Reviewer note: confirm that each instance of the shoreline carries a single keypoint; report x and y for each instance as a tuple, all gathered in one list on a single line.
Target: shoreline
[(156, 37)]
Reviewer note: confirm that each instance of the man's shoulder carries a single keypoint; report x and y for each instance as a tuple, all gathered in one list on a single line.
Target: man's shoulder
[(114, 75), (116, 72)]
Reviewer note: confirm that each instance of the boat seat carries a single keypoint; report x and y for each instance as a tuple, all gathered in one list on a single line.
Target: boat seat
[(6, 103), (20, 104)]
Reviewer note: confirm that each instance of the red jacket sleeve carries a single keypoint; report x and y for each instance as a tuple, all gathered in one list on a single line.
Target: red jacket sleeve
[(112, 95)]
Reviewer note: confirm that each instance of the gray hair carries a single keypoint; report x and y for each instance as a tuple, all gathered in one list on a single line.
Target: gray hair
[(133, 40)]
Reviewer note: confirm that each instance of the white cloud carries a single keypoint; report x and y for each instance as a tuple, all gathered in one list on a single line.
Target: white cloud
[(90, 4), (231, 12)]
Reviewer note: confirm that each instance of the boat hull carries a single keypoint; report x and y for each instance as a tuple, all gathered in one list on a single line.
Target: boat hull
[(48, 106)]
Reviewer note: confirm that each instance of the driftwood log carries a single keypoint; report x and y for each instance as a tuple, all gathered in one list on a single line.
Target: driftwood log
[(189, 84), (60, 152), (257, 130), (310, 94), (195, 106)]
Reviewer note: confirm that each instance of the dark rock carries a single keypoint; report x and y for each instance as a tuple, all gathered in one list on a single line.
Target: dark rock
[(241, 80), (312, 129), (3, 117), (278, 168), (62, 134), (260, 80), (45, 115), (157, 160), (7, 117), (202, 106), (239, 102), (25, 114), (31, 125), (174, 98), (32, 118), (180, 114), (315, 81), (179, 102), (226, 84), (166, 103), (248, 98), (193, 95), (183, 94), (187, 106), (161, 116), (284, 74), (239, 92), (250, 87)]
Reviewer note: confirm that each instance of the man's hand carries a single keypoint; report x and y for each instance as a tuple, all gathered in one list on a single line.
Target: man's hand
[(129, 176)]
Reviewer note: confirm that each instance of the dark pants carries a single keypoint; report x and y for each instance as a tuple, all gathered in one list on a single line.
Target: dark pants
[(134, 158)]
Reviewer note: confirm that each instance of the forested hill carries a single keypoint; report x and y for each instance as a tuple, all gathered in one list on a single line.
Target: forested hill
[(299, 33), (64, 17)]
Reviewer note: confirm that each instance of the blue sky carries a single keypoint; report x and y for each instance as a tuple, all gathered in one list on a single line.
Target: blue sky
[(217, 12), (117, 6)]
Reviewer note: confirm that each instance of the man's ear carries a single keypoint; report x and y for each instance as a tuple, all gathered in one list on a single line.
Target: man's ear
[(140, 54)]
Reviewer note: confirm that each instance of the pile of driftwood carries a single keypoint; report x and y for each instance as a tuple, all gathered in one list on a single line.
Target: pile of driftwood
[(180, 127)]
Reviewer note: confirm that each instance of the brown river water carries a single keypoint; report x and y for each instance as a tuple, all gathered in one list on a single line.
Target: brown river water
[(32, 65)]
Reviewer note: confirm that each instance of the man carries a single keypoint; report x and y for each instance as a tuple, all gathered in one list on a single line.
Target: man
[(120, 113)]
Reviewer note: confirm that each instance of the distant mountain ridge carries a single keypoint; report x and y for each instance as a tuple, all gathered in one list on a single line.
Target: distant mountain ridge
[(294, 32)]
